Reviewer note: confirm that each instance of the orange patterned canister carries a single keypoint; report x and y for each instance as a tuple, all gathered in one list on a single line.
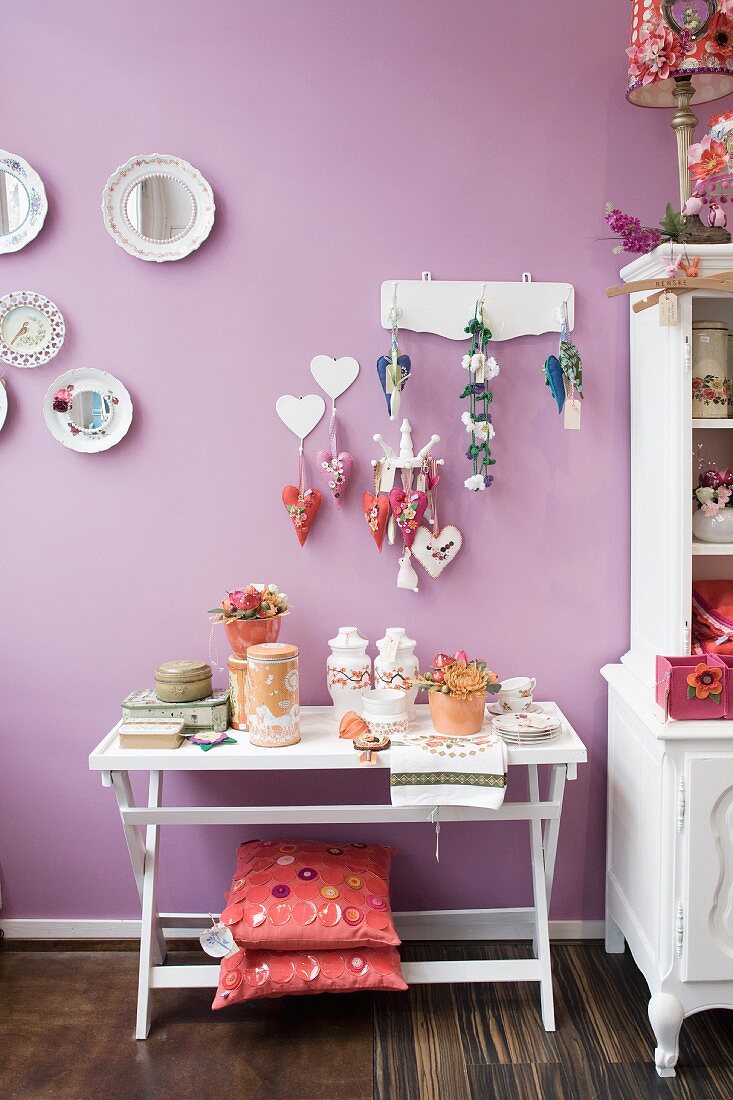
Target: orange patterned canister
[(273, 709), (238, 691)]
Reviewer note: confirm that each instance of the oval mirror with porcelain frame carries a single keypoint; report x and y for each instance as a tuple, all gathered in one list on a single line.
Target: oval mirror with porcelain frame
[(87, 410), (32, 329), (23, 203), (158, 207)]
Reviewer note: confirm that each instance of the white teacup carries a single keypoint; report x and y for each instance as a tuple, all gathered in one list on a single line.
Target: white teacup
[(516, 693)]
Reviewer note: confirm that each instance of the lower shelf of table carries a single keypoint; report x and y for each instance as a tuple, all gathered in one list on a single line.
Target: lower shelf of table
[(415, 973)]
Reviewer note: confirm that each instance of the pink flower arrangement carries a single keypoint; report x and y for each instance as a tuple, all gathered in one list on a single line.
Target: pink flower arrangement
[(714, 491), (706, 158), (634, 237)]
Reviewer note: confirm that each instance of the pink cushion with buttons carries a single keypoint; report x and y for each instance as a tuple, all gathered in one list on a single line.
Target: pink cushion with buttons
[(292, 895), (249, 975)]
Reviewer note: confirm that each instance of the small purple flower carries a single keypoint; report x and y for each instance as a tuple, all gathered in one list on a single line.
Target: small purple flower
[(488, 480)]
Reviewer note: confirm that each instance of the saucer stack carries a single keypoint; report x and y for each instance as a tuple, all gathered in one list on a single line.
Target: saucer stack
[(526, 729)]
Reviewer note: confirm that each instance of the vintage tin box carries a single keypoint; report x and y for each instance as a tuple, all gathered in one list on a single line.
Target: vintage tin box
[(273, 710), (183, 681), (206, 714)]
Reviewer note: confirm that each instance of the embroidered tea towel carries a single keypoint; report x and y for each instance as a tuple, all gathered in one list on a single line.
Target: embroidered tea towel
[(433, 769)]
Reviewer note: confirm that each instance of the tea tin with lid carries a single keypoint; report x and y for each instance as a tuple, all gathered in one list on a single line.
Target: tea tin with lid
[(183, 681), (204, 714), (711, 380), (238, 691), (273, 702)]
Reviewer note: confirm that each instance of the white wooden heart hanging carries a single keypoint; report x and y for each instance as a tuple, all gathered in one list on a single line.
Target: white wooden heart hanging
[(334, 376), (436, 551), (300, 414)]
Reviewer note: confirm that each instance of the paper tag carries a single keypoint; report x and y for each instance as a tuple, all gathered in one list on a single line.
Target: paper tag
[(386, 480), (667, 309), (704, 339), (572, 413), (389, 652), (218, 941)]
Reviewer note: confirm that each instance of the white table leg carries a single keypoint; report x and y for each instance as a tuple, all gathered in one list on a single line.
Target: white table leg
[(135, 838), (552, 827), (539, 886), (149, 913)]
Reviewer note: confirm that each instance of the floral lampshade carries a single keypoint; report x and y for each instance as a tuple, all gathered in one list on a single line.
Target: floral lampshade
[(680, 38)]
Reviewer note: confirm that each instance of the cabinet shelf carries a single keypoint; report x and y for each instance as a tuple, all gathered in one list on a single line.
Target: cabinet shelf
[(712, 422), (712, 549)]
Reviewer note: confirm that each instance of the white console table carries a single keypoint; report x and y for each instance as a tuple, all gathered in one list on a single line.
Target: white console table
[(321, 749)]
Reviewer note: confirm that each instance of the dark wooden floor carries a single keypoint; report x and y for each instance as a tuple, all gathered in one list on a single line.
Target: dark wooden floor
[(66, 1025)]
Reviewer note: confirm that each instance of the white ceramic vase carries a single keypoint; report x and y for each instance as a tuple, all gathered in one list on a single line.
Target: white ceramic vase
[(348, 670), (385, 712), (396, 667), (713, 528)]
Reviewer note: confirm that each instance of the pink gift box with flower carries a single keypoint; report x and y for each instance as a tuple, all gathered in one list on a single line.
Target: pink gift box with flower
[(694, 688)]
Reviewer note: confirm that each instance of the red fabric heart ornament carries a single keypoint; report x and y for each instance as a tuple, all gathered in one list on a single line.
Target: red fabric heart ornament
[(302, 509), (408, 509), (337, 472), (376, 513)]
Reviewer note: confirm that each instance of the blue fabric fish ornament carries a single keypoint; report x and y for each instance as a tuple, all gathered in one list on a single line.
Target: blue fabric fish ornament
[(554, 379)]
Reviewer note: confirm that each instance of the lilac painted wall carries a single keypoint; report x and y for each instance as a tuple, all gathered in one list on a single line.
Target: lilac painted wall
[(345, 143)]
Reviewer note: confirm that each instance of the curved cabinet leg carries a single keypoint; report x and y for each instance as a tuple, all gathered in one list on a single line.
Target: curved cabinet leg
[(666, 1016)]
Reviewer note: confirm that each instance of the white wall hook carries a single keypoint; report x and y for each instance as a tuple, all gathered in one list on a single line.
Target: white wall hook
[(511, 309)]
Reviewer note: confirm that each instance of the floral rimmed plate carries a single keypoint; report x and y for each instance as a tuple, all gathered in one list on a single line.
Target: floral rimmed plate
[(87, 410), (32, 329), (526, 728), (494, 708)]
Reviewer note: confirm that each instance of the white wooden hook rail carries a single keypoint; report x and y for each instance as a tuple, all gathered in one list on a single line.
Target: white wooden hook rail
[(511, 309)]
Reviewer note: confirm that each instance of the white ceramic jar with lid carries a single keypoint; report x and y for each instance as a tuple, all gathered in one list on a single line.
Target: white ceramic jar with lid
[(396, 667), (348, 670)]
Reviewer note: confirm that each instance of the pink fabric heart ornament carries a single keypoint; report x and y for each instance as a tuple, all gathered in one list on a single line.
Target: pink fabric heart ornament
[(337, 470), (408, 509)]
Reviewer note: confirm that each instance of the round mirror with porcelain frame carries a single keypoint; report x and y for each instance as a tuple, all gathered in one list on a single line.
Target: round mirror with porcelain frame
[(158, 207), (23, 203), (87, 410), (32, 329)]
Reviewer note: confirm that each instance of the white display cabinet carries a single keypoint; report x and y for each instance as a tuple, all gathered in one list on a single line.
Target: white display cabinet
[(669, 875)]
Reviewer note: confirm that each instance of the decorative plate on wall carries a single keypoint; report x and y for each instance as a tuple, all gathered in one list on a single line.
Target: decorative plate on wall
[(87, 410), (23, 202), (158, 207), (32, 329)]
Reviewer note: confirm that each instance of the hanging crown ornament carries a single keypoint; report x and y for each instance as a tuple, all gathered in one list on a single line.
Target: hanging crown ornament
[(478, 420), (301, 415), (394, 370), (334, 376)]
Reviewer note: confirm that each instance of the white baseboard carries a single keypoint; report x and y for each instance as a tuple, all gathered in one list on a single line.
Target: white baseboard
[(446, 924)]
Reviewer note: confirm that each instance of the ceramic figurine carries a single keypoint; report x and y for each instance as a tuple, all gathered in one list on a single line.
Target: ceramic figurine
[(396, 667), (407, 577), (348, 670)]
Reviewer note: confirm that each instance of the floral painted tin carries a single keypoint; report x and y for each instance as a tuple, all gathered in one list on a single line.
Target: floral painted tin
[(183, 681), (273, 704), (238, 691)]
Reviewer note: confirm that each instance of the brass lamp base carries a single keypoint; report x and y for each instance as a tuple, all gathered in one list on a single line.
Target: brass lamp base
[(697, 233)]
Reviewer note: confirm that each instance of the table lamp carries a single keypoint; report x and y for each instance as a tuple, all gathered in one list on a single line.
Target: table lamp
[(680, 49)]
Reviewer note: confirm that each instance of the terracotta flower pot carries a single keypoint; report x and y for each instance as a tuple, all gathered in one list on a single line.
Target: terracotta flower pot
[(243, 633), (458, 717)]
